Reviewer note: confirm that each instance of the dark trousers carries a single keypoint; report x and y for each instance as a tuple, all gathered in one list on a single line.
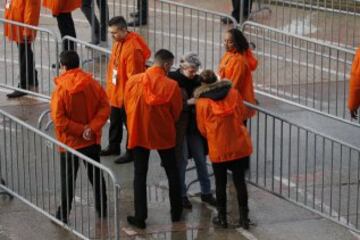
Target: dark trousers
[(238, 168), (69, 166), (117, 119), (141, 165), (99, 30), (142, 6), (28, 74), (236, 9), (67, 28)]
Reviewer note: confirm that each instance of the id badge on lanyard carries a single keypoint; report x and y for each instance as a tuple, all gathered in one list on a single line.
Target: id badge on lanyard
[(8, 4), (114, 76)]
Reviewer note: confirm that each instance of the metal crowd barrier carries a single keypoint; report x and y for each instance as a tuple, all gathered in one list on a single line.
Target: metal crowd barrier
[(34, 172), (180, 28), (16, 60), (300, 70), (332, 21), (306, 167)]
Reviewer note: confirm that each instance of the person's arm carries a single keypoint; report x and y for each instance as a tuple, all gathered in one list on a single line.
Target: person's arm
[(103, 112), (58, 114), (201, 117), (135, 63), (31, 17), (354, 88), (176, 103)]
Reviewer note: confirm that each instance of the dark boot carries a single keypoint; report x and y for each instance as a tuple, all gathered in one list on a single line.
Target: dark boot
[(244, 220), (209, 199), (16, 94), (136, 222), (110, 150), (220, 220), (126, 158)]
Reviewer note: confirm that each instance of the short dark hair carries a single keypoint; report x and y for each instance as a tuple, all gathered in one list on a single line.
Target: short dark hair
[(240, 42), (118, 21), (208, 76), (163, 55), (69, 59)]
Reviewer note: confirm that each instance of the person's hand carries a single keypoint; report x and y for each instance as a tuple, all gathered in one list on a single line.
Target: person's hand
[(191, 101), (354, 114), (88, 133)]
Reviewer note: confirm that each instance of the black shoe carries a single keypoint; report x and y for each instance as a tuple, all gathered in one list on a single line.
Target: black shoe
[(245, 223), (134, 14), (109, 150), (176, 217), (61, 218), (126, 158), (137, 22), (16, 94), (220, 221), (226, 20), (136, 222), (209, 199), (186, 203)]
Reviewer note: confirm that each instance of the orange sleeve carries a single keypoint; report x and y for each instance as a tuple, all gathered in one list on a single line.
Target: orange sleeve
[(200, 117), (354, 88), (103, 112), (176, 103), (61, 121), (32, 15), (135, 63), (237, 74), (244, 111)]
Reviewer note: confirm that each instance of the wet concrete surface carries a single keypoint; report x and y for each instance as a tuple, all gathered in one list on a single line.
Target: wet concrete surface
[(275, 218)]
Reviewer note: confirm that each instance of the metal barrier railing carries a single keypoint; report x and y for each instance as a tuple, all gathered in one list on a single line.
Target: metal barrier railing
[(28, 66), (39, 175), (301, 70), (180, 28), (330, 21), (306, 167)]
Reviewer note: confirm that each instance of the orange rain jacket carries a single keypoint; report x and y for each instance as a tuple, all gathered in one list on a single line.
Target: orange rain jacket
[(354, 88), (23, 11), (130, 56), (237, 68), (221, 123), (61, 6), (78, 101), (153, 104)]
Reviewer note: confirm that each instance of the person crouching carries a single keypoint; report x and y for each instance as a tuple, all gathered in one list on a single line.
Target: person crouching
[(220, 113)]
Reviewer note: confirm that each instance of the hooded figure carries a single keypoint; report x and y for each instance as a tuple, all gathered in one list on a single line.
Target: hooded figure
[(153, 104), (220, 113), (128, 57), (79, 109)]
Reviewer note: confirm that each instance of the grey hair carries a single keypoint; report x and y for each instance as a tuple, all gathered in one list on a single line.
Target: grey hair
[(190, 59)]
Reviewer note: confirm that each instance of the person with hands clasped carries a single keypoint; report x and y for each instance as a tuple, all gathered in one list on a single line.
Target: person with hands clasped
[(79, 110)]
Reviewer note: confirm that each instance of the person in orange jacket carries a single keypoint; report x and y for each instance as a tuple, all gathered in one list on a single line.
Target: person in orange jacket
[(354, 88), (27, 12), (79, 110), (61, 10), (220, 113), (128, 57), (153, 104), (237, 64)]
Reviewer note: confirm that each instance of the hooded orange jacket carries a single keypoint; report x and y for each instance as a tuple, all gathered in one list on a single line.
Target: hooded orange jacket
[(221, 123), (153, 104), (78, 101), (61, 6), (237, 68), (23, 11), (128, 57), (354, 88)]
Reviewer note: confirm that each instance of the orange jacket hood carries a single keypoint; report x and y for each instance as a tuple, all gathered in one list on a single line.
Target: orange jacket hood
[(135, 37), (251, 60), (74, 80), (155, 93)]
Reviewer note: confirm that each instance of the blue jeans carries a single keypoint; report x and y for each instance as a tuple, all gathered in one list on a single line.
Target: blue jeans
[(193, 144)]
